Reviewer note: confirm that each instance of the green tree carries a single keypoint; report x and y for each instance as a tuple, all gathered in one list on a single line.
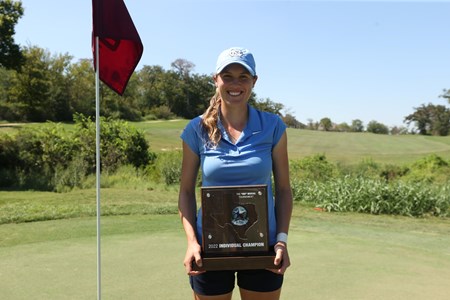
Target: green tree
[(59, 93), (200, 88), (292, 122), (8, 109), (421, 119), (196, 90), (312, 125), (326, 124), (158, 87), (31, 88), (357, 126), (430, 119), (41, 88), (440, 119), (183, 67), (446, 95), (269, 106), (343, 127), (173, 92), (81, 79), (395, 130), (151, 84), (378, 128), (184, 94), (10, 53), (124, 107)]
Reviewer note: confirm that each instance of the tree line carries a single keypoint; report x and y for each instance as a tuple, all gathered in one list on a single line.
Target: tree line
[(37, 86), (52, 88)]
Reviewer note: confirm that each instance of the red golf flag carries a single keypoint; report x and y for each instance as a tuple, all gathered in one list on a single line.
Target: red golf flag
[(120, 47)]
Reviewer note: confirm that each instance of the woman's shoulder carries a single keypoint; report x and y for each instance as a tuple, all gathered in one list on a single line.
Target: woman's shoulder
[(191, 132), (194, 126), (195, 122)]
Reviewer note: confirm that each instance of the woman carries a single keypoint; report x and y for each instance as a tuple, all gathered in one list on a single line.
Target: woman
[(235, 144)]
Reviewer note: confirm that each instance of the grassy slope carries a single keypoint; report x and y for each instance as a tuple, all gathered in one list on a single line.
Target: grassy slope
[(353, 147), (345, 148)]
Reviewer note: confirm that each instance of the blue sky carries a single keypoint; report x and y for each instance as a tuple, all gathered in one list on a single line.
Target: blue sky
[(345, 60)]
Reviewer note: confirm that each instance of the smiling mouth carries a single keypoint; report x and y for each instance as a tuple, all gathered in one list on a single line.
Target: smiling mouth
[(234, 93)]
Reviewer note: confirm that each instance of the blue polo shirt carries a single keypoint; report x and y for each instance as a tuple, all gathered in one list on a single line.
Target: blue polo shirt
[(247, 162)]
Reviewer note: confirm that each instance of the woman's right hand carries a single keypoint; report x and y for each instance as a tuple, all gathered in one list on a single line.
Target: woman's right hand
[(193, 254)]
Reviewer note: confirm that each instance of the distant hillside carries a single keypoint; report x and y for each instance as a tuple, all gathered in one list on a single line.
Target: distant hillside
[(351, 148), (347, 148)]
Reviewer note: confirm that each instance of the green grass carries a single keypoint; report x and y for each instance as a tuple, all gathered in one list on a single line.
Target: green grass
[(48, 245), (345, 148), (350, 148), (30, 206), (141, 258), (162, 135), (334, 256)]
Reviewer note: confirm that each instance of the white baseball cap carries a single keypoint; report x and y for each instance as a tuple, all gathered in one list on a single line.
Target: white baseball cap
[(236, 55)]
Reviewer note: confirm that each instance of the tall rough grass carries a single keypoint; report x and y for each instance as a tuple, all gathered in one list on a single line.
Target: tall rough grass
[(375, 196)]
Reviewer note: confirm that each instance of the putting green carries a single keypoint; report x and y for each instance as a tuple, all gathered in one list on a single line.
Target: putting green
[(334, 256)]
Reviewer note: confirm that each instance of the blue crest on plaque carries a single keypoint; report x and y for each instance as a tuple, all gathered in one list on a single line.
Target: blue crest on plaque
[(239, 216)]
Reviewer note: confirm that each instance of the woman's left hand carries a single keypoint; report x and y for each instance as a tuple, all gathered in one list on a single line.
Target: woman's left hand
[(281, 258)]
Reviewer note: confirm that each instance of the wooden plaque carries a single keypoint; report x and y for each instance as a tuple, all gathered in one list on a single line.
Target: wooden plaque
[(235, 231)]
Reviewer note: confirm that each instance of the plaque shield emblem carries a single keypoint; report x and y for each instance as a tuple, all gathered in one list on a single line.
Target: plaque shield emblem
[(239, 216)]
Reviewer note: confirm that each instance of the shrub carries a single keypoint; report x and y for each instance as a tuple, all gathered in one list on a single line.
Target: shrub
[(391, 172), (119, 144), (162, 112), (72, 176), (9, 160), (313, 168), (33, 170), (49, 158), (168, 167), (367, 168), (431, 169), (126, 177)]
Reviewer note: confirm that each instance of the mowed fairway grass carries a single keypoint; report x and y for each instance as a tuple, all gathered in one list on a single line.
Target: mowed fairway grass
[(334, 255), (346, 148)]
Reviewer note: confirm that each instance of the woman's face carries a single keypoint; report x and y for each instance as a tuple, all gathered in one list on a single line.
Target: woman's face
[(235, 84)]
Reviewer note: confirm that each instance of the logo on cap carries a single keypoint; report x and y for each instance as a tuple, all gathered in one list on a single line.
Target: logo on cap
[(236, 52)]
